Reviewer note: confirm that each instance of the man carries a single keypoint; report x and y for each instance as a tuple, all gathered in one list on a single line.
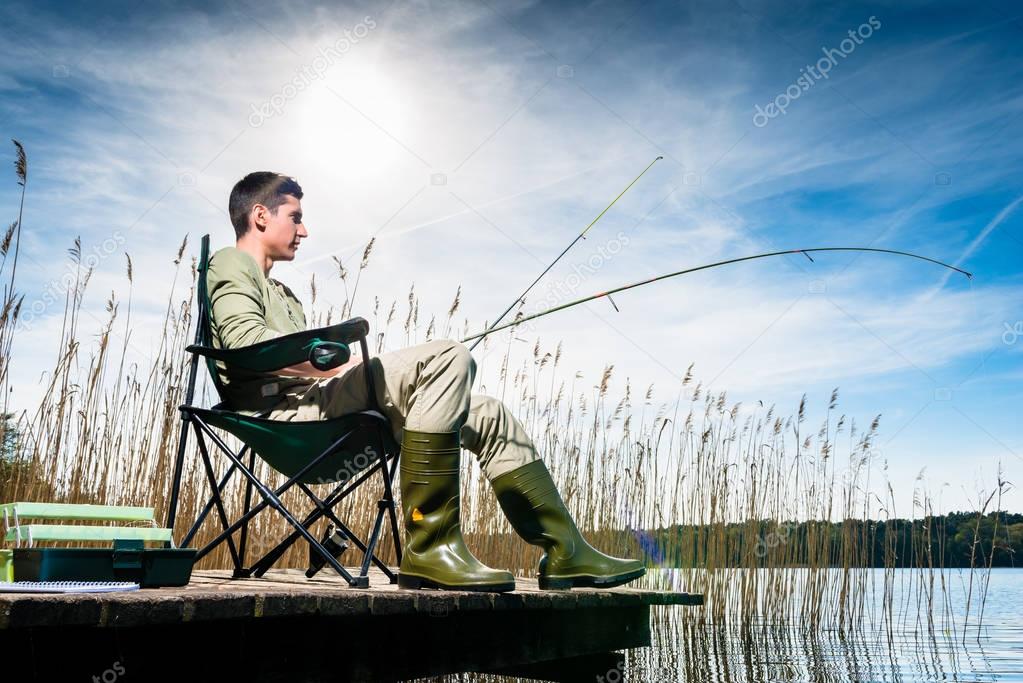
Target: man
[(426, 393)]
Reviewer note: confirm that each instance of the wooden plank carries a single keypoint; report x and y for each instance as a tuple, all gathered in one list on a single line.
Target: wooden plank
[(212, 595), (285, 627)]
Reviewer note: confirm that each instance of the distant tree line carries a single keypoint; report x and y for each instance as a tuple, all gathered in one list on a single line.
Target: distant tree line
[(958, 539), (15, 471)]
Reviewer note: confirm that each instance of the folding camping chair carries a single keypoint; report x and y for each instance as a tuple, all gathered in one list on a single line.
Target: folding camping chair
[(336, 451)]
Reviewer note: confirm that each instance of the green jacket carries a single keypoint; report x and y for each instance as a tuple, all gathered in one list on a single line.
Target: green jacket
[(246, 308)]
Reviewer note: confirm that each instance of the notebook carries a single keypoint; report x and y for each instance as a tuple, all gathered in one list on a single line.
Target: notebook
[(67, 586)]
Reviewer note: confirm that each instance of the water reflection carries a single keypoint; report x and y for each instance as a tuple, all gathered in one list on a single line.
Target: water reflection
[(911, 627), (687, 650)]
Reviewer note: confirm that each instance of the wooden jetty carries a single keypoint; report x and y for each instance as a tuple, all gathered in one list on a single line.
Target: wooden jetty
[(285, 627)]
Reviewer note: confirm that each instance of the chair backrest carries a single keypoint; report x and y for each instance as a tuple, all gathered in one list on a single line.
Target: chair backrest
[(204, 316)]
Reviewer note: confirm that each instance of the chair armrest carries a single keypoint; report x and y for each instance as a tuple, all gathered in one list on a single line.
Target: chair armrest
[(325, 348)]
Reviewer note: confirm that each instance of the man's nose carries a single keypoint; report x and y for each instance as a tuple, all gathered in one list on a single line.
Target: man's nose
[(302, 232)]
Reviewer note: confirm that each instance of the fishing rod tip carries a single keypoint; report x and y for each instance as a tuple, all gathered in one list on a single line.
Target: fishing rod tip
[(659, 158)]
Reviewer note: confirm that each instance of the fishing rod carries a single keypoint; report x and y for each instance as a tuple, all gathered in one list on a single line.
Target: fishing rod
[(804, 252), (578, 237)]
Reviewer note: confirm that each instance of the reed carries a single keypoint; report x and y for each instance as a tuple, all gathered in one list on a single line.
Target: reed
[(748, 494)]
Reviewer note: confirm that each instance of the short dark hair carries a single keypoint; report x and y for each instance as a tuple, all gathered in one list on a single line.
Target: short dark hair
[(262, 187)]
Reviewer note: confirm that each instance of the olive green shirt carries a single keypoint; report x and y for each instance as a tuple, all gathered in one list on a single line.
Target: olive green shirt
[(246, 308)]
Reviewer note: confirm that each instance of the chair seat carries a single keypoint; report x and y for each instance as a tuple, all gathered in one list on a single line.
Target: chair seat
[(287, 446)]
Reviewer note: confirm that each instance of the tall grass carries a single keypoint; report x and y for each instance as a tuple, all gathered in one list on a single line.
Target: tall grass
[(626, 464)]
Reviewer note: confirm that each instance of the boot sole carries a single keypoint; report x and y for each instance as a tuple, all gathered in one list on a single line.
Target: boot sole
[(418, 582), (568, 582)]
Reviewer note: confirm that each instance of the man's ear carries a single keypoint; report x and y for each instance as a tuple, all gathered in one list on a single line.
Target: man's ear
[(260, 216)]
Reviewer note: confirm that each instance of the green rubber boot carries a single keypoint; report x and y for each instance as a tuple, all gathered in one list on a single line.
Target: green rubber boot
[(534, 507), (435, 555)]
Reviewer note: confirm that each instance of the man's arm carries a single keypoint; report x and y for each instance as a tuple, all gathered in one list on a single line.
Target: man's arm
[(236, 304), (306, 369), (236, 300)]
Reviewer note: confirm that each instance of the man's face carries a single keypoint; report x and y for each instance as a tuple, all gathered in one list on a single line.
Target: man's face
[(284, 229)]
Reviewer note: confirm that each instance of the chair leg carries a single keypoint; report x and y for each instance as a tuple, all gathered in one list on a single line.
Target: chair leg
[(385, 503), (395, 530), (338, 494), (262, 565), (272, 498), (279, 506), (301, 529), (324, 510), (267, 561), (368, 555), (217, 500), (242, 572), (206, 509), (179, 461)]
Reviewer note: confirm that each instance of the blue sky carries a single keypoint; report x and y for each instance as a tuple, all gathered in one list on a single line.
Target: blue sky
[(139, 118)]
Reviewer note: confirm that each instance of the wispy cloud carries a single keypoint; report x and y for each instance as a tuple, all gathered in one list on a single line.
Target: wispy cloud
[(979, 239)]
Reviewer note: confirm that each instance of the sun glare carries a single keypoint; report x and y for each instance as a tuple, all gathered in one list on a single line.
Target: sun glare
[(349, 121)]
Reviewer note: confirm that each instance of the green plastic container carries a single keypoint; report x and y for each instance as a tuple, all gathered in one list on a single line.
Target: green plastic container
[(6, 565), (126, 561)]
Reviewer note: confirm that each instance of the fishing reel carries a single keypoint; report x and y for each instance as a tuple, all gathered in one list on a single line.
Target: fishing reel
[(334, 542), (327, 355)]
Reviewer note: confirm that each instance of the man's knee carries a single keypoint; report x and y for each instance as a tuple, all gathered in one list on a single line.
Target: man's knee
[(496, 437), (457, 356), (491, 410), (484, 425)]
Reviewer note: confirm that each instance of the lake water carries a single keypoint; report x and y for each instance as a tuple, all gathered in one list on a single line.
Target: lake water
[(914, 648), (894, 641)]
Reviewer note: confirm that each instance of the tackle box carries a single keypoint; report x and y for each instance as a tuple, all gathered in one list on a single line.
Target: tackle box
[(127, 559)]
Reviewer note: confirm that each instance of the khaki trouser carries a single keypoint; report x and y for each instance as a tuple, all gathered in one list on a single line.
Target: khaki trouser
[(427, 388)]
